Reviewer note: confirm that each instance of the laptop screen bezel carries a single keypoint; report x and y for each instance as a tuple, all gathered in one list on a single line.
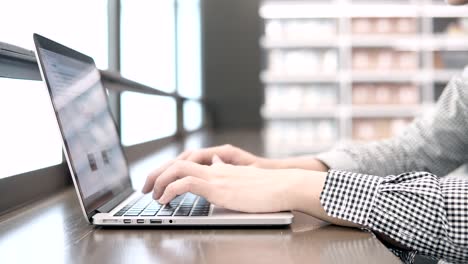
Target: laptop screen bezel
[(89, 209)]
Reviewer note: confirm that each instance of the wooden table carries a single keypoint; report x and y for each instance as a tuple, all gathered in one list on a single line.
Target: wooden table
[(54, 231)]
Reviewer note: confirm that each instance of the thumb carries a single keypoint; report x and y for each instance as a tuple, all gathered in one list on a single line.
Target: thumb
[(216, 159)]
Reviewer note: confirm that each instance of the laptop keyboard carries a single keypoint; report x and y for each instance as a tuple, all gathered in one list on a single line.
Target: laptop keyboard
[(183, 205)]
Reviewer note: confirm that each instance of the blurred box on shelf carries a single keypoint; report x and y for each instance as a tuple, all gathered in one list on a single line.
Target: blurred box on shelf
[(303, 29), (385, 93), (286, 137), (401, 25), (303, 62), (319, 96), (375, 59), (375, 129), (300, 98)]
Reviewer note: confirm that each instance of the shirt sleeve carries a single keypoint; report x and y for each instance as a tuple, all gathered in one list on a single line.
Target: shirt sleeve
[(416, 209), (436, 143)]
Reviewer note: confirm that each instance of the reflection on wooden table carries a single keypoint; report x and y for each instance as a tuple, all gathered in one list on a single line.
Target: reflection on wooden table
[(54, 231)]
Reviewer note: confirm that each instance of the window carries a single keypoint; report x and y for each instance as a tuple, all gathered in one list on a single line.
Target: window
[(193, 115), (160, 47), (147, 117), (82, 25), (189, 48), (29, 137), (148, 43)]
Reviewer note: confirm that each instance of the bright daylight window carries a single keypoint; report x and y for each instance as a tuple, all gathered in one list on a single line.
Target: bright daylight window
[(147, 117), (29, 137), (81, 25), (148, 42), (193, 115), (189, 48)]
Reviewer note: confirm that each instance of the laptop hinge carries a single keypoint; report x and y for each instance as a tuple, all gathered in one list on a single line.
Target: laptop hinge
[(111, 204)]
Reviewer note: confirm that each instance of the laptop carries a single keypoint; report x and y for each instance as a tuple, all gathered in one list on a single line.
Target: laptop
[(96, 159)]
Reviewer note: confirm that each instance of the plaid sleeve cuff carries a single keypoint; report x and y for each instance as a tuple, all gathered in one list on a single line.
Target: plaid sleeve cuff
[(415, 209), (349, 196)]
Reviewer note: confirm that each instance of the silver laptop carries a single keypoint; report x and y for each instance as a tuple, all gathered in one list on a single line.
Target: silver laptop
[(96, 159)]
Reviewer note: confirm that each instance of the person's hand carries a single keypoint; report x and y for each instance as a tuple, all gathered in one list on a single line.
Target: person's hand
[(227, 153), (244, 188), (235, 156), (240, 188)]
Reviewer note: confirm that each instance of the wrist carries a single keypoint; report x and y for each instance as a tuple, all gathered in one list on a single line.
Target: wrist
[(320, 165), (305, 163), (278, 164), (265, 163), (305, 191)]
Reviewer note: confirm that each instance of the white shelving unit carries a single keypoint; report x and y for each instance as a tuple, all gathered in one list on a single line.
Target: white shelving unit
[(298, 130), (348, 9)]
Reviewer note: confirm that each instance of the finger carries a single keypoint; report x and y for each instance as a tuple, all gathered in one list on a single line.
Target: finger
[(153, 175), (188, 184), (205, 156), (149, 183), (217, 160), (179, 170)]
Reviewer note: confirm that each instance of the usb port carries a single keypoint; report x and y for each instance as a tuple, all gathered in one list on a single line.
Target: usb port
[(140, 221), (127, 221), (155, 221)]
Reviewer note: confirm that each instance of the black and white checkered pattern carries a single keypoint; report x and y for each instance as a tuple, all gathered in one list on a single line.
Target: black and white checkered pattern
[(416, 209)]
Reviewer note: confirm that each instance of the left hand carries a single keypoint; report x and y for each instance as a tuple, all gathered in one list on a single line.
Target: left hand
[(240, 188)]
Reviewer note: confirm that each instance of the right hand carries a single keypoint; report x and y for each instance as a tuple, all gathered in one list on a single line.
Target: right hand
[(227, 153)]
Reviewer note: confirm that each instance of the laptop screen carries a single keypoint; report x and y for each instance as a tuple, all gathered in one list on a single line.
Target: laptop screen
[(90, 136)]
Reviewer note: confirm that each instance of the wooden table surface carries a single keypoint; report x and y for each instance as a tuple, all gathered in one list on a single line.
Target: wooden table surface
[(54, 230)]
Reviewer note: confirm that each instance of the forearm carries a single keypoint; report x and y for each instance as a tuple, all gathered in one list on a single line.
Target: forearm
[(304, 162)]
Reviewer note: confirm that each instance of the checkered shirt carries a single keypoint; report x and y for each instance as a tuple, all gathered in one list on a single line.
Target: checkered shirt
[(391, 186)]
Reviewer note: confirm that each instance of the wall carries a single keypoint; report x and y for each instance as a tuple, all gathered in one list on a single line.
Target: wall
[(232, 61)]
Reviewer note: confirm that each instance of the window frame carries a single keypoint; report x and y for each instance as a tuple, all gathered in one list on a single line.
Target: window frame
[(21, 189)]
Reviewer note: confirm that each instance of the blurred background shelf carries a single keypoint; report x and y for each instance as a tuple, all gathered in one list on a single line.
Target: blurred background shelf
[(299, 43), (402, 42), (312, 9), (444, 75), (330, 112), (357, 111), (354, 70), (385, 111), (268, 77), (421, 76)]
